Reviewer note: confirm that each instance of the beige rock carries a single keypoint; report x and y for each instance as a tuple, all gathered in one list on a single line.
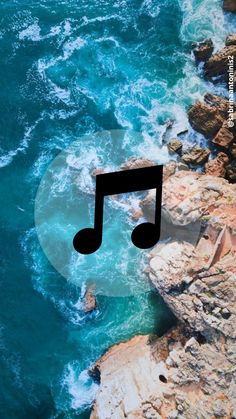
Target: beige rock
[(122, 393), (189, 197), (137, 163)]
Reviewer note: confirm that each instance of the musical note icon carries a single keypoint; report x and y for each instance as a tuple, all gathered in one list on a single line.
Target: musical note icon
[(145, 235)]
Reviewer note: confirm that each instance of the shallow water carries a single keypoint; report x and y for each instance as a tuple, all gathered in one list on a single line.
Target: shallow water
[(69, 69)]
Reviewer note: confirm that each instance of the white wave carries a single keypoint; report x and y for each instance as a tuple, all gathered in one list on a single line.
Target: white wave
[(151, 8), (108, 38), (86, 21), (7, 158), (81, 388), (32, 32), (70, 46), (201, 22)]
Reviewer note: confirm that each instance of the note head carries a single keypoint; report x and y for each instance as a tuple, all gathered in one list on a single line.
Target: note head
[(145, 235), (86, 241)]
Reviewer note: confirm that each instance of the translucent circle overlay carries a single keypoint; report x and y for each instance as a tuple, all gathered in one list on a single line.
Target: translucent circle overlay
[(65, 202)]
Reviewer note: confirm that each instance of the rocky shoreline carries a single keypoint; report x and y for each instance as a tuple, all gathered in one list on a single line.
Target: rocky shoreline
[(190, 372)]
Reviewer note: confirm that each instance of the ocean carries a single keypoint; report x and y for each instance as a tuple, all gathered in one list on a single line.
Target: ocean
[(70, 70)]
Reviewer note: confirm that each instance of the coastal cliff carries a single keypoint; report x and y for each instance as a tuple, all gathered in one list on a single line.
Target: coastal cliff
[(190, 372)]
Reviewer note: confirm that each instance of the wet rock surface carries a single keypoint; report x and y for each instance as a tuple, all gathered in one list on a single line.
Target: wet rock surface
[(205, 118), (203, 50), (229, 6), (196, 155), (175, 146), (218, 131), (217, 65), (230, 40), (89, 300)]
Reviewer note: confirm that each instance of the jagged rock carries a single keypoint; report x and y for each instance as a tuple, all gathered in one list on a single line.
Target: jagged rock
[(205, 119), (174, 146), (197, 155), (203, 50), (189, 196), (231, 171), (219, 102), (137, 163), (139, 381), (217, 65), (189, 372), (229, 5), (217, 166), (224, 136), (122, 393), (89, 299), (230, 40)]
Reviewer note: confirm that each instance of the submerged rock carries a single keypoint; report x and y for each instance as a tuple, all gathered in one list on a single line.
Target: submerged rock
[(203, 50), (229, 5), (89, 299), (230, 40)]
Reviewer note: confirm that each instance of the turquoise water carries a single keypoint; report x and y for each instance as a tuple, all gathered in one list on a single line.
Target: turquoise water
[(70, 69)]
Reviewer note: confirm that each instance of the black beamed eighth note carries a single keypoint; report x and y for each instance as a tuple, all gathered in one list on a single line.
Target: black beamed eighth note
[(145, 235)]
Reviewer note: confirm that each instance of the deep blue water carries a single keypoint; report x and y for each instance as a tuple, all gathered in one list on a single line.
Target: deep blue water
[(68, 69)]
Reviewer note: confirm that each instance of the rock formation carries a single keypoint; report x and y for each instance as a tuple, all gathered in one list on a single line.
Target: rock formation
[(217, 65), (229, 6), (205, 118), (211, 119), (217, 166), (189, 372), (196, 155), (203, 50), (89, 299)]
